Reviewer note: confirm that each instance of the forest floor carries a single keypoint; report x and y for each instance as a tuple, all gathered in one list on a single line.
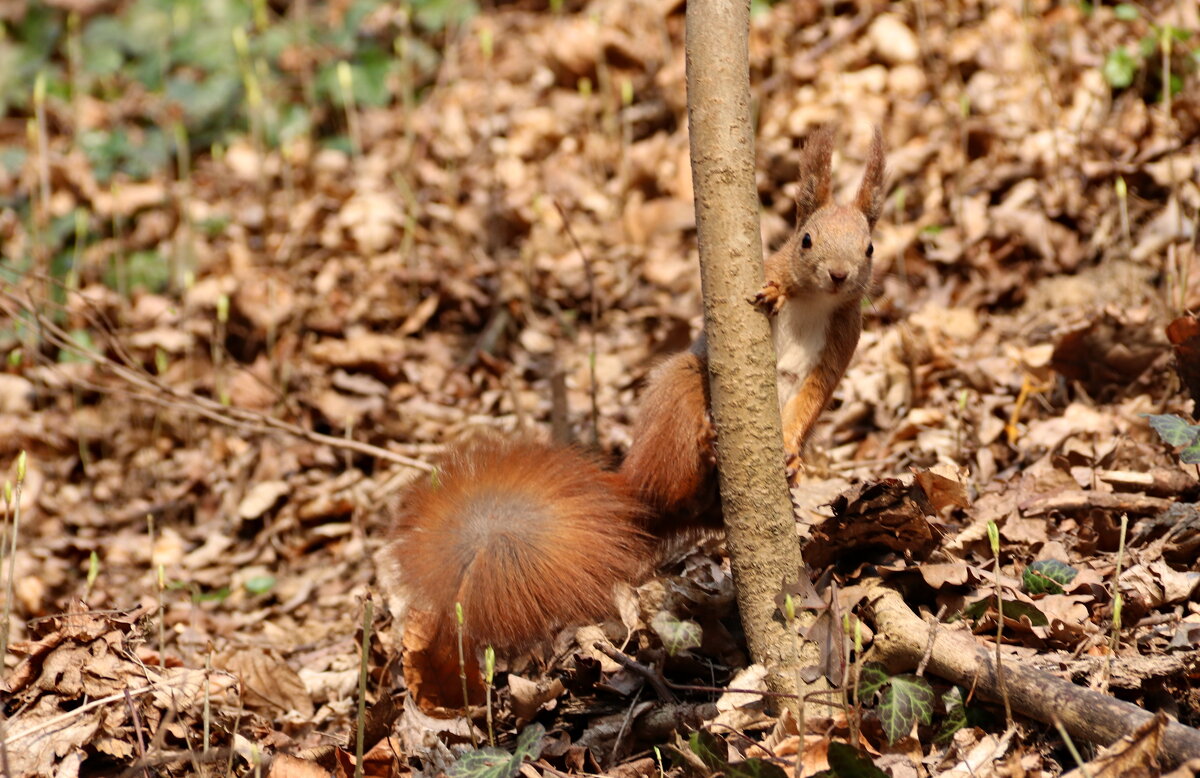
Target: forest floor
[(260, 266)]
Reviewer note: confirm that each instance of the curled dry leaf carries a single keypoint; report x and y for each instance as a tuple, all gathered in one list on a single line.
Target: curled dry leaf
[(268, 682)]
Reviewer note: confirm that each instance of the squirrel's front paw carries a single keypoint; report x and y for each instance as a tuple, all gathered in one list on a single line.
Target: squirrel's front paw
[(793, 467), (770, 298)]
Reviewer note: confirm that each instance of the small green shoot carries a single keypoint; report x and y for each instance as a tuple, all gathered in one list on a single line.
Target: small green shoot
[(993, 533), (489, 674), (92, 574), (459, 622)]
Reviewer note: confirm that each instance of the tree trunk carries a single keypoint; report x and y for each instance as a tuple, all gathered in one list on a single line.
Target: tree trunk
[(763, 545)]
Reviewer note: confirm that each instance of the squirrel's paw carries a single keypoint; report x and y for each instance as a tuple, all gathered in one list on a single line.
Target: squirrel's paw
[(794, 467), (770, 298)]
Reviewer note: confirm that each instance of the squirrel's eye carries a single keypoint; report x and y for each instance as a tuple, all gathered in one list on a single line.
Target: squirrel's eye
[(870, 250), (806, 241)]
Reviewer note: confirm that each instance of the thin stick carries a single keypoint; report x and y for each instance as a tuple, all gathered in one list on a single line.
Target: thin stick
[(1062, 732), (994, 539), (368, 619), (1118, 601), (462, 674), (75, 713), (653, 677), (595, 315), (159, 393), (12, 496)]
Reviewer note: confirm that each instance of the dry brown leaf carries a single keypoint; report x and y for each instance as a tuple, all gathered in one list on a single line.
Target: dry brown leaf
[(261, 498), (530, 697), (286, 766), (267, 681)]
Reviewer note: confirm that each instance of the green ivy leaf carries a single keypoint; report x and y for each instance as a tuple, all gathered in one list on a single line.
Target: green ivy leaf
[(491, 762), (1119, 68), (676, 635), (1191, 454), (1172, 429), (1047, 576), (871, 679), (529, 743), (486, 762), (755, 768), (956, 714), (1012, 610), (905, 700), (1180, 34), (709, 748), (848, 762)]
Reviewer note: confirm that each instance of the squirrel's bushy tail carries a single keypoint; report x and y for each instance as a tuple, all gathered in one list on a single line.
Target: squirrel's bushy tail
[(528, 537)]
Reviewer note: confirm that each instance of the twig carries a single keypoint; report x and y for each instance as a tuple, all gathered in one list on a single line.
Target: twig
[(595, 315), (82, 709), (155, 391), (653, 677), (140, 738), (364, 666)]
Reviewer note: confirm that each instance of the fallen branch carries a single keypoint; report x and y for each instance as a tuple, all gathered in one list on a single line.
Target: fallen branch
[(902, 639)]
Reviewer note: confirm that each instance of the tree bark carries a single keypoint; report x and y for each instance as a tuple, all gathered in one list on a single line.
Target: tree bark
[(902, 640), (763, 545)]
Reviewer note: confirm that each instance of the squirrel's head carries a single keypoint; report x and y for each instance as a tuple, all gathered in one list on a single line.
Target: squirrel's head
[(832, 247)]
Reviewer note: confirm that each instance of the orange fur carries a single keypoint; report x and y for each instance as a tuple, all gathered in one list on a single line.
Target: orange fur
[(672, 461), (528, 537)]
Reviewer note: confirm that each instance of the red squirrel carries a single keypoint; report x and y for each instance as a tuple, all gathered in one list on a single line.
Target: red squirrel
[(531, 537)]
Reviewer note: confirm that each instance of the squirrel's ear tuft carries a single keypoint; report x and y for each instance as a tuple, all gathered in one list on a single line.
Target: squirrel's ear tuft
[(869, 199), (815, 185)]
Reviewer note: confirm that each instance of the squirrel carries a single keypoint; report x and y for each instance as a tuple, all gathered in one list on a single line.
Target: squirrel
[(530, 537)]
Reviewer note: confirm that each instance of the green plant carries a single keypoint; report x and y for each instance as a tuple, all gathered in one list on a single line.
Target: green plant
[(900, 700), (711, 751), (1124, 64), (12, 506), (489, 762), (1047, 576), (848, 762), (993, 533), (1176, 431)]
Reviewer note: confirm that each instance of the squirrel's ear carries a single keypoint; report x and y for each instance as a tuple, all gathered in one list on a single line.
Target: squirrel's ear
[(869, 199), (815, 186)]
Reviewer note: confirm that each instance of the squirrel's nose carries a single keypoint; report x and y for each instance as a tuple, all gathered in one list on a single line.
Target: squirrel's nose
[(837, 276)]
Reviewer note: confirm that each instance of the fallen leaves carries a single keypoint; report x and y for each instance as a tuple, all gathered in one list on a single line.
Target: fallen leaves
[(424, 285), (81, 685)]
